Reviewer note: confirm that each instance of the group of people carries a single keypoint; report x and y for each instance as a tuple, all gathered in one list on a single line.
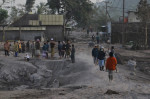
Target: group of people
[(99, 57), (65, 50), (97, 38), (18, 47)]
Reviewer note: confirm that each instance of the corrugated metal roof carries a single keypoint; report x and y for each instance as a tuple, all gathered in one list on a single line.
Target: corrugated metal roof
[(51, 19), (24, 28)]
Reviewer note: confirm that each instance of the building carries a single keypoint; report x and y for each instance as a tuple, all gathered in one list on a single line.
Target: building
[(32, 26), (132, 17)]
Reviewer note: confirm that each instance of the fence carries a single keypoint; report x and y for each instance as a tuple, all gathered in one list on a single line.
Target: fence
[(132, 32)]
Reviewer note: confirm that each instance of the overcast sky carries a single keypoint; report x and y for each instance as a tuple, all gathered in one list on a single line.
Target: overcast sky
[(37, 1)]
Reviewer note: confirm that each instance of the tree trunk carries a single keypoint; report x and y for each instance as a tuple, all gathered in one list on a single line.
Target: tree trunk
[(3, 33), (146, 34), (19, 33)]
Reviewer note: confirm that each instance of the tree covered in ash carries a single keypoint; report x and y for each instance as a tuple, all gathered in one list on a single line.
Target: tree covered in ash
[(3, 15), (78, 10), (29, 4), (143, 13)]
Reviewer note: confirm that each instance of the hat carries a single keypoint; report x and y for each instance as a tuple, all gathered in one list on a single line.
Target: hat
[(38, 40), (52, 39), (102, 47)]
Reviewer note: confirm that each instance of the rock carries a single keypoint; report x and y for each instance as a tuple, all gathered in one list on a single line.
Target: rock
[(45, 73), (61, 93), (55, 84), (110, 92), (22, 87), (133, 73)]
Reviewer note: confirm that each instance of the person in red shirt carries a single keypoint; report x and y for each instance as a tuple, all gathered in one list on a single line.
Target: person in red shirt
[(111, 65)]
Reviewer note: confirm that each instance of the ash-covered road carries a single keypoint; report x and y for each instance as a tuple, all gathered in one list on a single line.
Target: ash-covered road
[(83, 80)]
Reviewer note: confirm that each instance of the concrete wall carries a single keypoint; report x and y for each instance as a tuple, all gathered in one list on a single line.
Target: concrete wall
[(25, 35), (11, 35), (55, 32), (30, 35)]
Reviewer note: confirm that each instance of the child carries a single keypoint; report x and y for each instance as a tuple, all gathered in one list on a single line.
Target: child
[(27, 57), (132, 64), (111, 65)]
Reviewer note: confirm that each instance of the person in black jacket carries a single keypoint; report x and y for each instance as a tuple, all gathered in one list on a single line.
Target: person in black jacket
[(73, 54), (101, 58), (95, 54), (68, 49), (60, 49)]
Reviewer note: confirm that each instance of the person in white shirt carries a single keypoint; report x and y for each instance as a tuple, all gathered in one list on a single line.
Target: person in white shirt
[(27, 57)]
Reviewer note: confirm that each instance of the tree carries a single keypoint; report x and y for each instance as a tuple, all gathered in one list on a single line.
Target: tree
[(14, 14), (29, 5), (41, 8), (55, 5), (78, 10), (143, 13), (3, 15), (21, 10)]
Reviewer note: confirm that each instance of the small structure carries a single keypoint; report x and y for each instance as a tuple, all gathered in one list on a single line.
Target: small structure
[(132, 17), (31, 26)]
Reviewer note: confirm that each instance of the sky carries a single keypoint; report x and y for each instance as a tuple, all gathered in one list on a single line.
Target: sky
[(37, 1)]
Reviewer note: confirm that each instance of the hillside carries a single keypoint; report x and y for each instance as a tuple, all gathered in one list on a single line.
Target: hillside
[(115, 7)]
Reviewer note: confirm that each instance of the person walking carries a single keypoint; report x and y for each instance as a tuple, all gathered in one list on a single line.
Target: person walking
[(93, 38), (63, 49), (88, 31), (28, 46), (6, 48), (113, 50), (73, 54), (33, 49), (59, 49), (19, 46), (111, 65), (101, 58), (16, 49), (97, 38), (44, 50), (68, 49), (52, 44), (95, 54), (23, 47), (37, 48), (47, 49)]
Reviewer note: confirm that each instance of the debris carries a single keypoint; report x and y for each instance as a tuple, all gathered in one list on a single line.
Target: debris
[(110, 92), (61, 93), (119, 58)]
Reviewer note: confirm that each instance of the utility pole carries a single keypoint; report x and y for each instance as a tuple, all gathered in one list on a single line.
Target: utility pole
[(106, 2), (123, 23)]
